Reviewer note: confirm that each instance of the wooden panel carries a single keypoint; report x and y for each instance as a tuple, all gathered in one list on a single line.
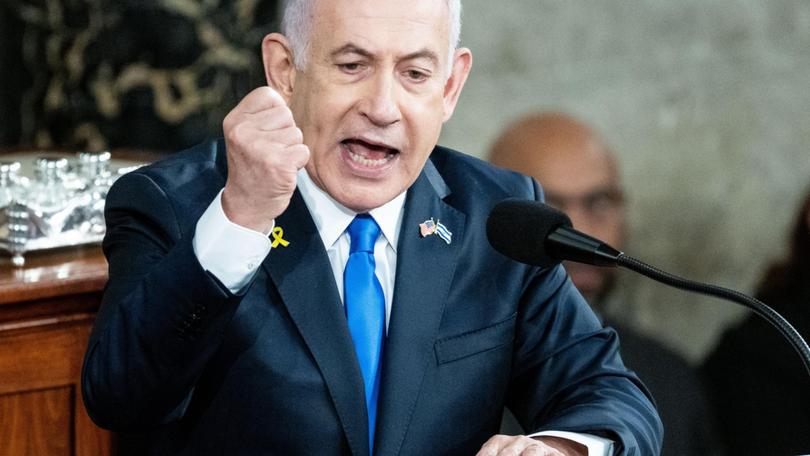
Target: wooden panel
[(43, 358), (37, 422), (46, 313)]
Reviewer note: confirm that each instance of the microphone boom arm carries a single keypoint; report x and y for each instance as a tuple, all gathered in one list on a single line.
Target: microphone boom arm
[(757, 306)]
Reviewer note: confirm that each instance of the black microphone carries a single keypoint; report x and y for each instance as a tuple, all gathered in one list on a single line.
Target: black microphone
[(533, 233)]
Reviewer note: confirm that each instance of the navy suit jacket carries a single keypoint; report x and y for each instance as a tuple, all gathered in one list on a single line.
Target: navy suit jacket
[(179, 365)]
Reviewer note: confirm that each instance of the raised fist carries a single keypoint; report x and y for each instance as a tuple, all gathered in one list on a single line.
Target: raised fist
[(265, 152)]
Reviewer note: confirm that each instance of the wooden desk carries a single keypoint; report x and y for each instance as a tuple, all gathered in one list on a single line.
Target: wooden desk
[(46, 313)]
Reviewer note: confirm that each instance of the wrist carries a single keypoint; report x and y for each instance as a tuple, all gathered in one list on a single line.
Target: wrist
[(566, 446), (246, 217)]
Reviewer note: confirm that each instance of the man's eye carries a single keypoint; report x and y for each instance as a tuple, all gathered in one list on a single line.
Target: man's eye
[(598, 203), (602, 202), (416, 75), (349, 67)]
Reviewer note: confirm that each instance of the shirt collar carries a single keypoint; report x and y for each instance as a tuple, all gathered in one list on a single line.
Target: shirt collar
[(332, 218)]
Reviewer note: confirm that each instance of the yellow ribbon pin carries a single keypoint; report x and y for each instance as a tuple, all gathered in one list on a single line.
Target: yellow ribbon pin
[(277, 234)]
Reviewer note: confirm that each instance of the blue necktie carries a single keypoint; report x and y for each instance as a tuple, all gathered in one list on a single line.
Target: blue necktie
[(365, 309)]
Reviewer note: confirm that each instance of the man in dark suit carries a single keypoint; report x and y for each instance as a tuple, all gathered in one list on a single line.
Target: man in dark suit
[(231, 323)]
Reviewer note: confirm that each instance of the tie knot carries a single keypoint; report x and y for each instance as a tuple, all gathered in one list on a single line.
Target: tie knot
[(363, 232)]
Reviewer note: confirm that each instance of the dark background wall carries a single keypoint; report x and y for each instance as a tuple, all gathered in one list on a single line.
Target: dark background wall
[(148, 74)]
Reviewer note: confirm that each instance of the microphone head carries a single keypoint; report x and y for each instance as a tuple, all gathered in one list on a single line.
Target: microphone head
[(519, 228)]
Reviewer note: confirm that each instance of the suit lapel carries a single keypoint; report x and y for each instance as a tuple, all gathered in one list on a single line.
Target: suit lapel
[(304, 279), (425, 268)]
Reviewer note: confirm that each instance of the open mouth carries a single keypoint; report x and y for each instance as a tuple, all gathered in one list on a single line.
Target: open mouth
[(368, 154)]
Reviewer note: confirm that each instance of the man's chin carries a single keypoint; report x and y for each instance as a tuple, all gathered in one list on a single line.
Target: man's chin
[(363, 198)]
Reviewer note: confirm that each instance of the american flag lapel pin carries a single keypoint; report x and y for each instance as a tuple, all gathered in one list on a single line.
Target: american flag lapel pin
[(429, 227)]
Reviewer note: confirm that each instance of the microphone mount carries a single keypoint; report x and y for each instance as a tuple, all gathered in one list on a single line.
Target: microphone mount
[(570, 244)]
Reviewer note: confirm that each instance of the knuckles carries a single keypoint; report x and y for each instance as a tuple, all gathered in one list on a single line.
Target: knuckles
[(265, 151), (503, 445), (298, 136), (246, 133)]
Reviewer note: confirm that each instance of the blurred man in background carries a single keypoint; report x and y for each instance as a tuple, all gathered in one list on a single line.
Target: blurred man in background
[(580, 176)]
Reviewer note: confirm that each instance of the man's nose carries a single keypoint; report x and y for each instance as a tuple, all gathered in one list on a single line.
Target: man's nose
[(381, 101)]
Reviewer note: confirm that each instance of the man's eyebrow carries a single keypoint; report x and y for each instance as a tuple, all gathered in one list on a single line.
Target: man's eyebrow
[(351, 48), (423, 54)]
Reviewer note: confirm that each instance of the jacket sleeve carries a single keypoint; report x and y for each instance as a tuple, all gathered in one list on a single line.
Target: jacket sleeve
[(161, 317)]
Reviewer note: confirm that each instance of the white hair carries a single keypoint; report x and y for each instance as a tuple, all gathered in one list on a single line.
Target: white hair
[(296, 25)]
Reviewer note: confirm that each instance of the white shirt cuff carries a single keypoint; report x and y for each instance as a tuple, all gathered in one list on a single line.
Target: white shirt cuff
[(597, 446), (231, 252)]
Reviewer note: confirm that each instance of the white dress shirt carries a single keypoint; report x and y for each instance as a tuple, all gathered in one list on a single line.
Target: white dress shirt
[(233, 254)]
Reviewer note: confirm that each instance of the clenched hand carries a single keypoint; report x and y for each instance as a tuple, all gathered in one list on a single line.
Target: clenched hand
[(265, 151)]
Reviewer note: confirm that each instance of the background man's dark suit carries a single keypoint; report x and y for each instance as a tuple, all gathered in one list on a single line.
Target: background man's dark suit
[(196, 370)]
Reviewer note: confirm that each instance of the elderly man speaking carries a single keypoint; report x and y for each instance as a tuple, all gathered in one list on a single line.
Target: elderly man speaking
[(320, 282)]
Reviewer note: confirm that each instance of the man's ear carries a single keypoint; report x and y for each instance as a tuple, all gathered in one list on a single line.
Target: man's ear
[(462, 63), (279, 69)]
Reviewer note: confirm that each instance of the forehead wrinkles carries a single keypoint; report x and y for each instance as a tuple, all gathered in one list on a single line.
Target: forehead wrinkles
[(359, 26), (332, 23), (420, 10)]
